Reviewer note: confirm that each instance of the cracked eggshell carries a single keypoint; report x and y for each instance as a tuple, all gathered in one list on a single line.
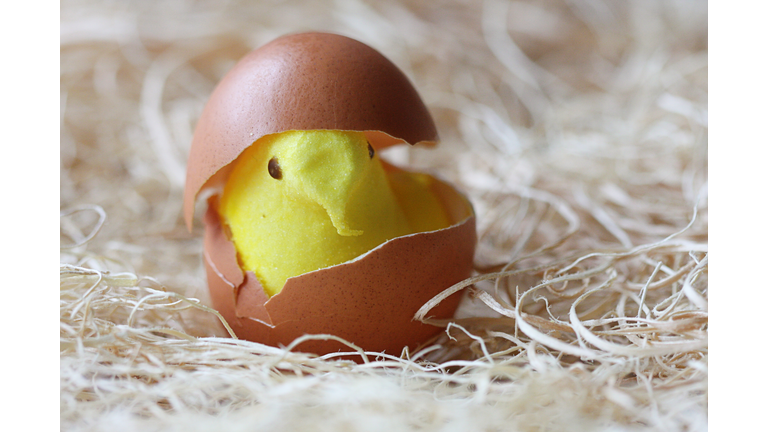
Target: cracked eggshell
[(303, 82), (369, 301), (324, 81)]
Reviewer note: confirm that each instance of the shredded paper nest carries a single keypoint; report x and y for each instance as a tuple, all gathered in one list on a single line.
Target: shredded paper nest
[(578, 130)]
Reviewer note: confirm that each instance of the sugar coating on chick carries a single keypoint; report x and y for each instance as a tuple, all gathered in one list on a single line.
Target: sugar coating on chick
[(299, 201)]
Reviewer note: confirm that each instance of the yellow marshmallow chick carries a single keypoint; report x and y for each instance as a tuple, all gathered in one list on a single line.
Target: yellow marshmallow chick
[(299, 201)]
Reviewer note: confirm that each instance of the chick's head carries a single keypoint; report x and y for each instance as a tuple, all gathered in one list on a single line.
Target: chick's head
[(299, 201)]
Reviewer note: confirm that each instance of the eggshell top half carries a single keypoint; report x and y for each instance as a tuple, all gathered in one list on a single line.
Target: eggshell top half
[(303, 82)]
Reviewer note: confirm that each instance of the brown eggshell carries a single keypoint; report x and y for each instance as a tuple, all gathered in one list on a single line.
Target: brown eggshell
[(303, 82), (369, 301)]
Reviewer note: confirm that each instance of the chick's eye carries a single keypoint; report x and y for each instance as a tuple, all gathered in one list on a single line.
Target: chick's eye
[(370, 151), (274, 169)]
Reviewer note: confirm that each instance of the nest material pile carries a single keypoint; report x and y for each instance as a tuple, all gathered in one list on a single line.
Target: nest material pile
[(577, 129)]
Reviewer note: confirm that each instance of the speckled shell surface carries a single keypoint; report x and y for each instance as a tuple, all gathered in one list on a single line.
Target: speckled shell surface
[(369, 301), (303, 82)]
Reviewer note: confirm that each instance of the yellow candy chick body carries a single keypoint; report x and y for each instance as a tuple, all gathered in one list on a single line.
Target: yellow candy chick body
[(299, 201)]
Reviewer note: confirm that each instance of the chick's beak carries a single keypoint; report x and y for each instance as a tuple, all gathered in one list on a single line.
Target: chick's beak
[(330, 174)]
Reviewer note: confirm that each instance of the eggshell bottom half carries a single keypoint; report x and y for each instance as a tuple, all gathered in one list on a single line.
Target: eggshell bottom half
[(369, 301)]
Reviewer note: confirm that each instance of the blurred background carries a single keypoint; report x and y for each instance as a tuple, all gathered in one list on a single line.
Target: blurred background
[(505, 80)]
